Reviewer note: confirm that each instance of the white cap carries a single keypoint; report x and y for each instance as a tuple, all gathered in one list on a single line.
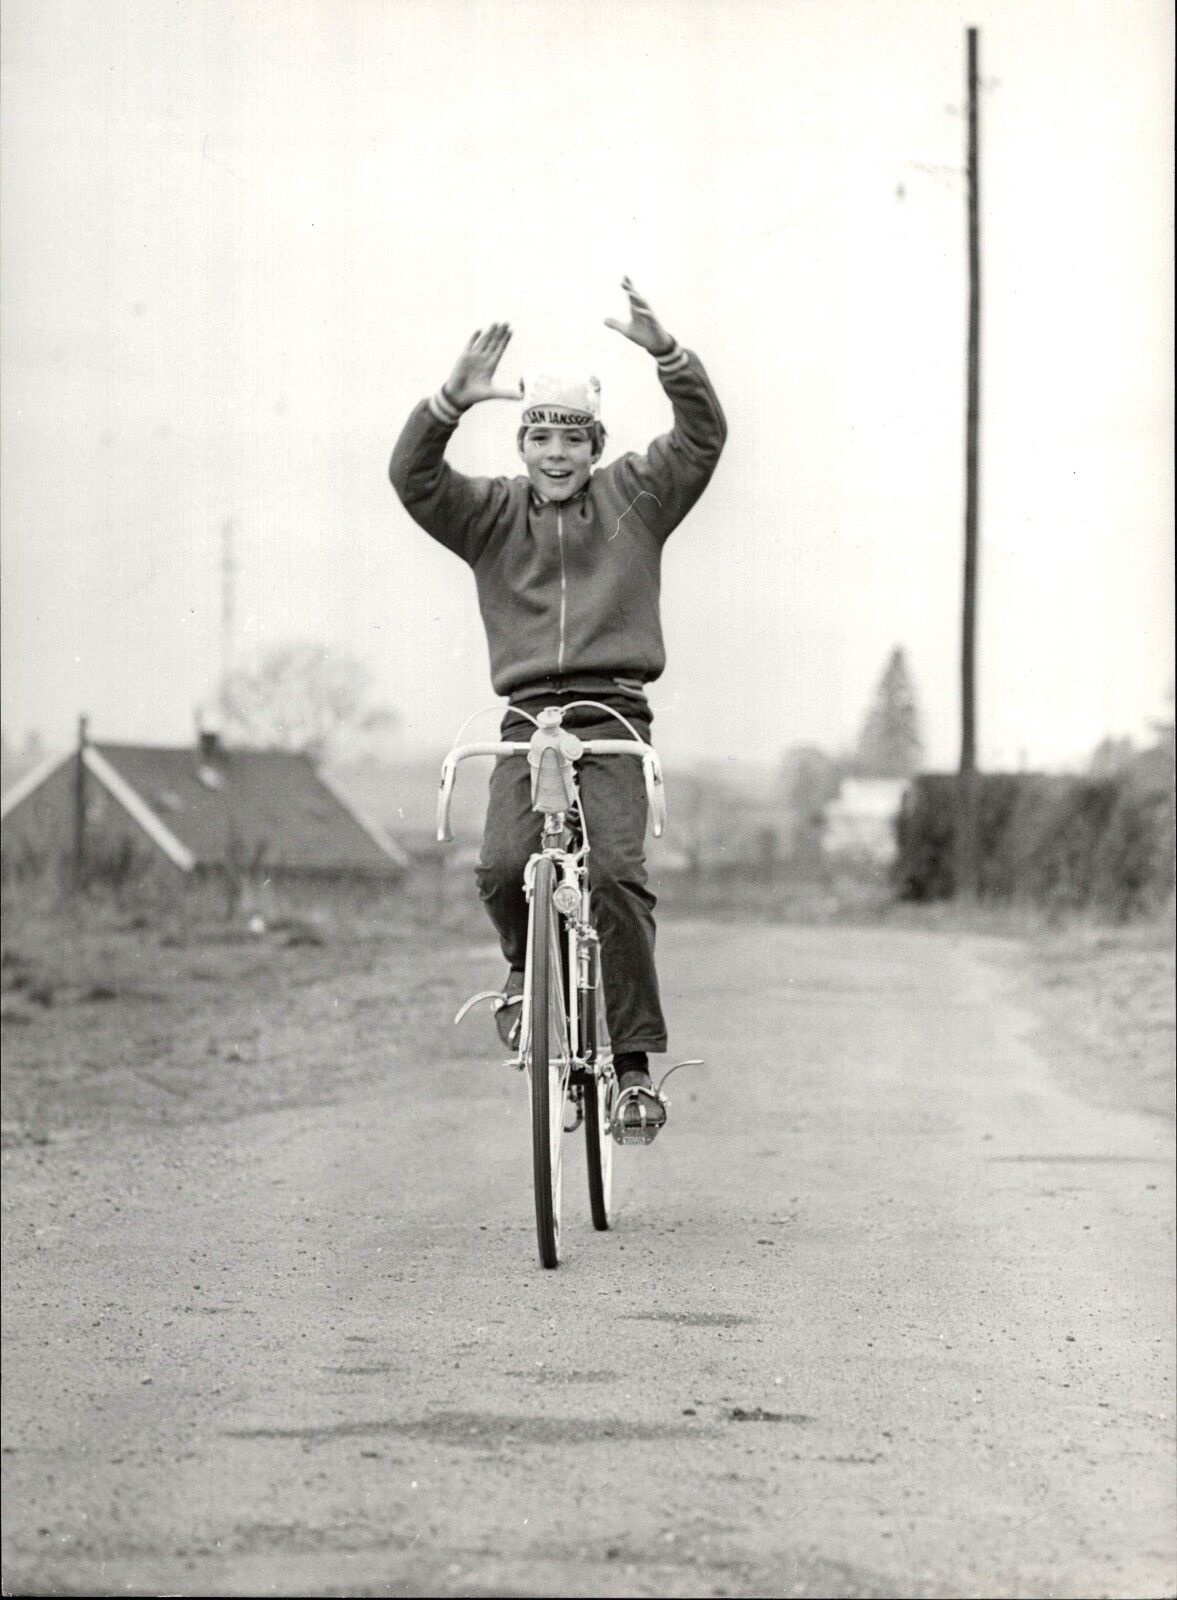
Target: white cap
[(560, 400)]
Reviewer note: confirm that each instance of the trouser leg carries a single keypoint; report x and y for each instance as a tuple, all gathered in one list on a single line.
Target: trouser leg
[(614, 798), (510, 837)]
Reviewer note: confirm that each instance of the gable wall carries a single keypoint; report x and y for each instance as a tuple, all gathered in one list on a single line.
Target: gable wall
[(38, 833)]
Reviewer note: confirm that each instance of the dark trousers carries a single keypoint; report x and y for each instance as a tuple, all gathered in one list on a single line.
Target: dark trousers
[(613, 797)]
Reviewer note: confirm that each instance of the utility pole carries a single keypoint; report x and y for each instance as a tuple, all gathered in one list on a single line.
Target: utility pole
[(80, 799), (967, 863)]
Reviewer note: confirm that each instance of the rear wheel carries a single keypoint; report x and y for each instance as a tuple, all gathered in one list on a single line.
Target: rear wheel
[(598, 1142), (548, 1061)]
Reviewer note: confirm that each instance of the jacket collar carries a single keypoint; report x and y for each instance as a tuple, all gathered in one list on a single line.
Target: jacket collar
[(538, 501)]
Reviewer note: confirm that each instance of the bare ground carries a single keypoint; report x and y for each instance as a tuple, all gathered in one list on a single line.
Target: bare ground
[(887, 1309), (112, 1018)]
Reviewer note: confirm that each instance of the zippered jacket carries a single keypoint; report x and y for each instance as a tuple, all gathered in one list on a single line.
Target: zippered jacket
[(567, 587)]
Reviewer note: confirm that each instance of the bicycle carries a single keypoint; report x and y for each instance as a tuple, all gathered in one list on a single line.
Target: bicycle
[(563, 1044)]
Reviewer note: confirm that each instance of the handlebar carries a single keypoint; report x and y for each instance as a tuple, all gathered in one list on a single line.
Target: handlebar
[(651, 771)]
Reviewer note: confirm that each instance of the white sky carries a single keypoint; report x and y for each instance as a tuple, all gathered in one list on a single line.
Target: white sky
[(242, 240)]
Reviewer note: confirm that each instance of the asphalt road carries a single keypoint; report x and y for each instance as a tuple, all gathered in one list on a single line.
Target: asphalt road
[(887, 1310)]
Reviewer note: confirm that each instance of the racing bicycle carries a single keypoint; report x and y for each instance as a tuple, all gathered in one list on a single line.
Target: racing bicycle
[(563, 1036)]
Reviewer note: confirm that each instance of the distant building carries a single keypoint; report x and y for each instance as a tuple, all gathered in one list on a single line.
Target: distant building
[(860, 820), (201, 810)]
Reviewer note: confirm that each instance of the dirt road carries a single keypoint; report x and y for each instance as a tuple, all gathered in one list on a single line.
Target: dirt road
[(888, 1310)]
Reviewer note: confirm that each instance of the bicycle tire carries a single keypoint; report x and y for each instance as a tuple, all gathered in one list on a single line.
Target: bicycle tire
[(547, 1061), (598, 1140)]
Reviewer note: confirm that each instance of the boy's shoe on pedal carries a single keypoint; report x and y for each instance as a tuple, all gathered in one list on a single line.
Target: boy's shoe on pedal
[(508, 1010), (638, 1111)]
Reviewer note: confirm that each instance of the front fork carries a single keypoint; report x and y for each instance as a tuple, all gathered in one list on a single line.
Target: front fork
[(582, 944), (582, 959)]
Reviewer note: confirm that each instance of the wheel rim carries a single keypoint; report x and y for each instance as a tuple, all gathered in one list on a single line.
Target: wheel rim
[(605, 1140), (556, 1082), (559, 1065), (598, 1140), (548, 1060)]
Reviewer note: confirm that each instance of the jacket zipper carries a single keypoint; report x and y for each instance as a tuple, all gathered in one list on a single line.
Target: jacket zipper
[(563, 589)]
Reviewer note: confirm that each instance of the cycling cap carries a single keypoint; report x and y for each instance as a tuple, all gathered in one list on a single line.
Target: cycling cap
[(556, 400)]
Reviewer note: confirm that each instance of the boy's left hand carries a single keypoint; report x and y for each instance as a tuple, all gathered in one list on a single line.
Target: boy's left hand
[(643, 326)]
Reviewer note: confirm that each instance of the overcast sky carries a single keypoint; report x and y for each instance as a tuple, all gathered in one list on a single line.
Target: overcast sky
[(241, 240)]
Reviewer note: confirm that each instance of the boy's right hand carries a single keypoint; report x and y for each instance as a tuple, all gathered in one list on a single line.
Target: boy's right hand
[(472, 379)]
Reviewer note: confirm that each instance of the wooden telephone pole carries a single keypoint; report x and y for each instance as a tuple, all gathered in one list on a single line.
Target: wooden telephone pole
[(967, 864), (81, 800)]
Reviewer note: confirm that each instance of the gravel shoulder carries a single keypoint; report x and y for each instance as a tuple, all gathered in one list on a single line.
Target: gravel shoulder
[(1105, 1001)]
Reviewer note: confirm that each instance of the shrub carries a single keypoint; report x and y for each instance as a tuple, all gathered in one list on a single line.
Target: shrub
[(1064, 843)]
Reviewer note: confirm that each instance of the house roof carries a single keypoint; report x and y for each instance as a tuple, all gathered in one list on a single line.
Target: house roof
[(270, 806)]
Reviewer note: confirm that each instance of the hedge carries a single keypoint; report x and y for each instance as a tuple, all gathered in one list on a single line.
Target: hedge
[(1061, 842)]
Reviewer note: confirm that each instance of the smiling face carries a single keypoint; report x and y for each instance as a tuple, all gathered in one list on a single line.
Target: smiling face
[(559, 461)]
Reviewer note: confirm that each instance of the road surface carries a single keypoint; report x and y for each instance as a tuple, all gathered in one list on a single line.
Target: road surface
[(887, 1310)]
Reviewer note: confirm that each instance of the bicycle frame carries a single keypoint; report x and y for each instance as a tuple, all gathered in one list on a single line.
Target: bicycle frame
[(563, 1041), (582, 943), (570, 864)]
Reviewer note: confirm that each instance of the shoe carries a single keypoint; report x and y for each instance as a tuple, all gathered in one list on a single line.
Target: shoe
[(508, 1010), (639, 1110)]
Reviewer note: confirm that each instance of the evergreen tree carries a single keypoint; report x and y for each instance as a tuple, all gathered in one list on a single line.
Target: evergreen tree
[(890, 744)]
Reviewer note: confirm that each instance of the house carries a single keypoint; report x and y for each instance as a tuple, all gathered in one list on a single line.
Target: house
[(860, 819), (203, 810)]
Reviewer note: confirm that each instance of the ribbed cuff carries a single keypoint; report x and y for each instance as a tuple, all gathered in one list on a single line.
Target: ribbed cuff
[(444, 409), (673, 361)]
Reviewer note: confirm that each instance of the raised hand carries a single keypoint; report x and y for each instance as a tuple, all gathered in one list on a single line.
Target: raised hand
[(472, 379), (643, 326)]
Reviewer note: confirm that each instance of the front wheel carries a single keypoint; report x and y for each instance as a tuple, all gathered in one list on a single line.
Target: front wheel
[(547, 1056)]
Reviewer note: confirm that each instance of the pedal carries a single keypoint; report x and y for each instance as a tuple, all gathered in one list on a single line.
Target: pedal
[(630, 1136), (639, 1129), (642, 1129)]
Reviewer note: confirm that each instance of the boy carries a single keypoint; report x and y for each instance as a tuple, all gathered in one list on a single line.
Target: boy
[(567, 562)]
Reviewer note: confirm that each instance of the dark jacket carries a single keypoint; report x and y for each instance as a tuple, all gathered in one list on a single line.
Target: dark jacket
[(571, 587)]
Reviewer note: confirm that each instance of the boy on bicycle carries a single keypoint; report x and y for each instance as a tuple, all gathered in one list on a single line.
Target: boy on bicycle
[(567, 563)]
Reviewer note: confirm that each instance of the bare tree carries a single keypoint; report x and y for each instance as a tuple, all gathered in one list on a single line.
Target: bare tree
[(808, 780), (302, 696)]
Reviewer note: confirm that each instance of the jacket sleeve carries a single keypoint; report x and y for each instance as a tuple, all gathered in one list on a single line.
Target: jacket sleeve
[(677, 467), (457, 511)]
